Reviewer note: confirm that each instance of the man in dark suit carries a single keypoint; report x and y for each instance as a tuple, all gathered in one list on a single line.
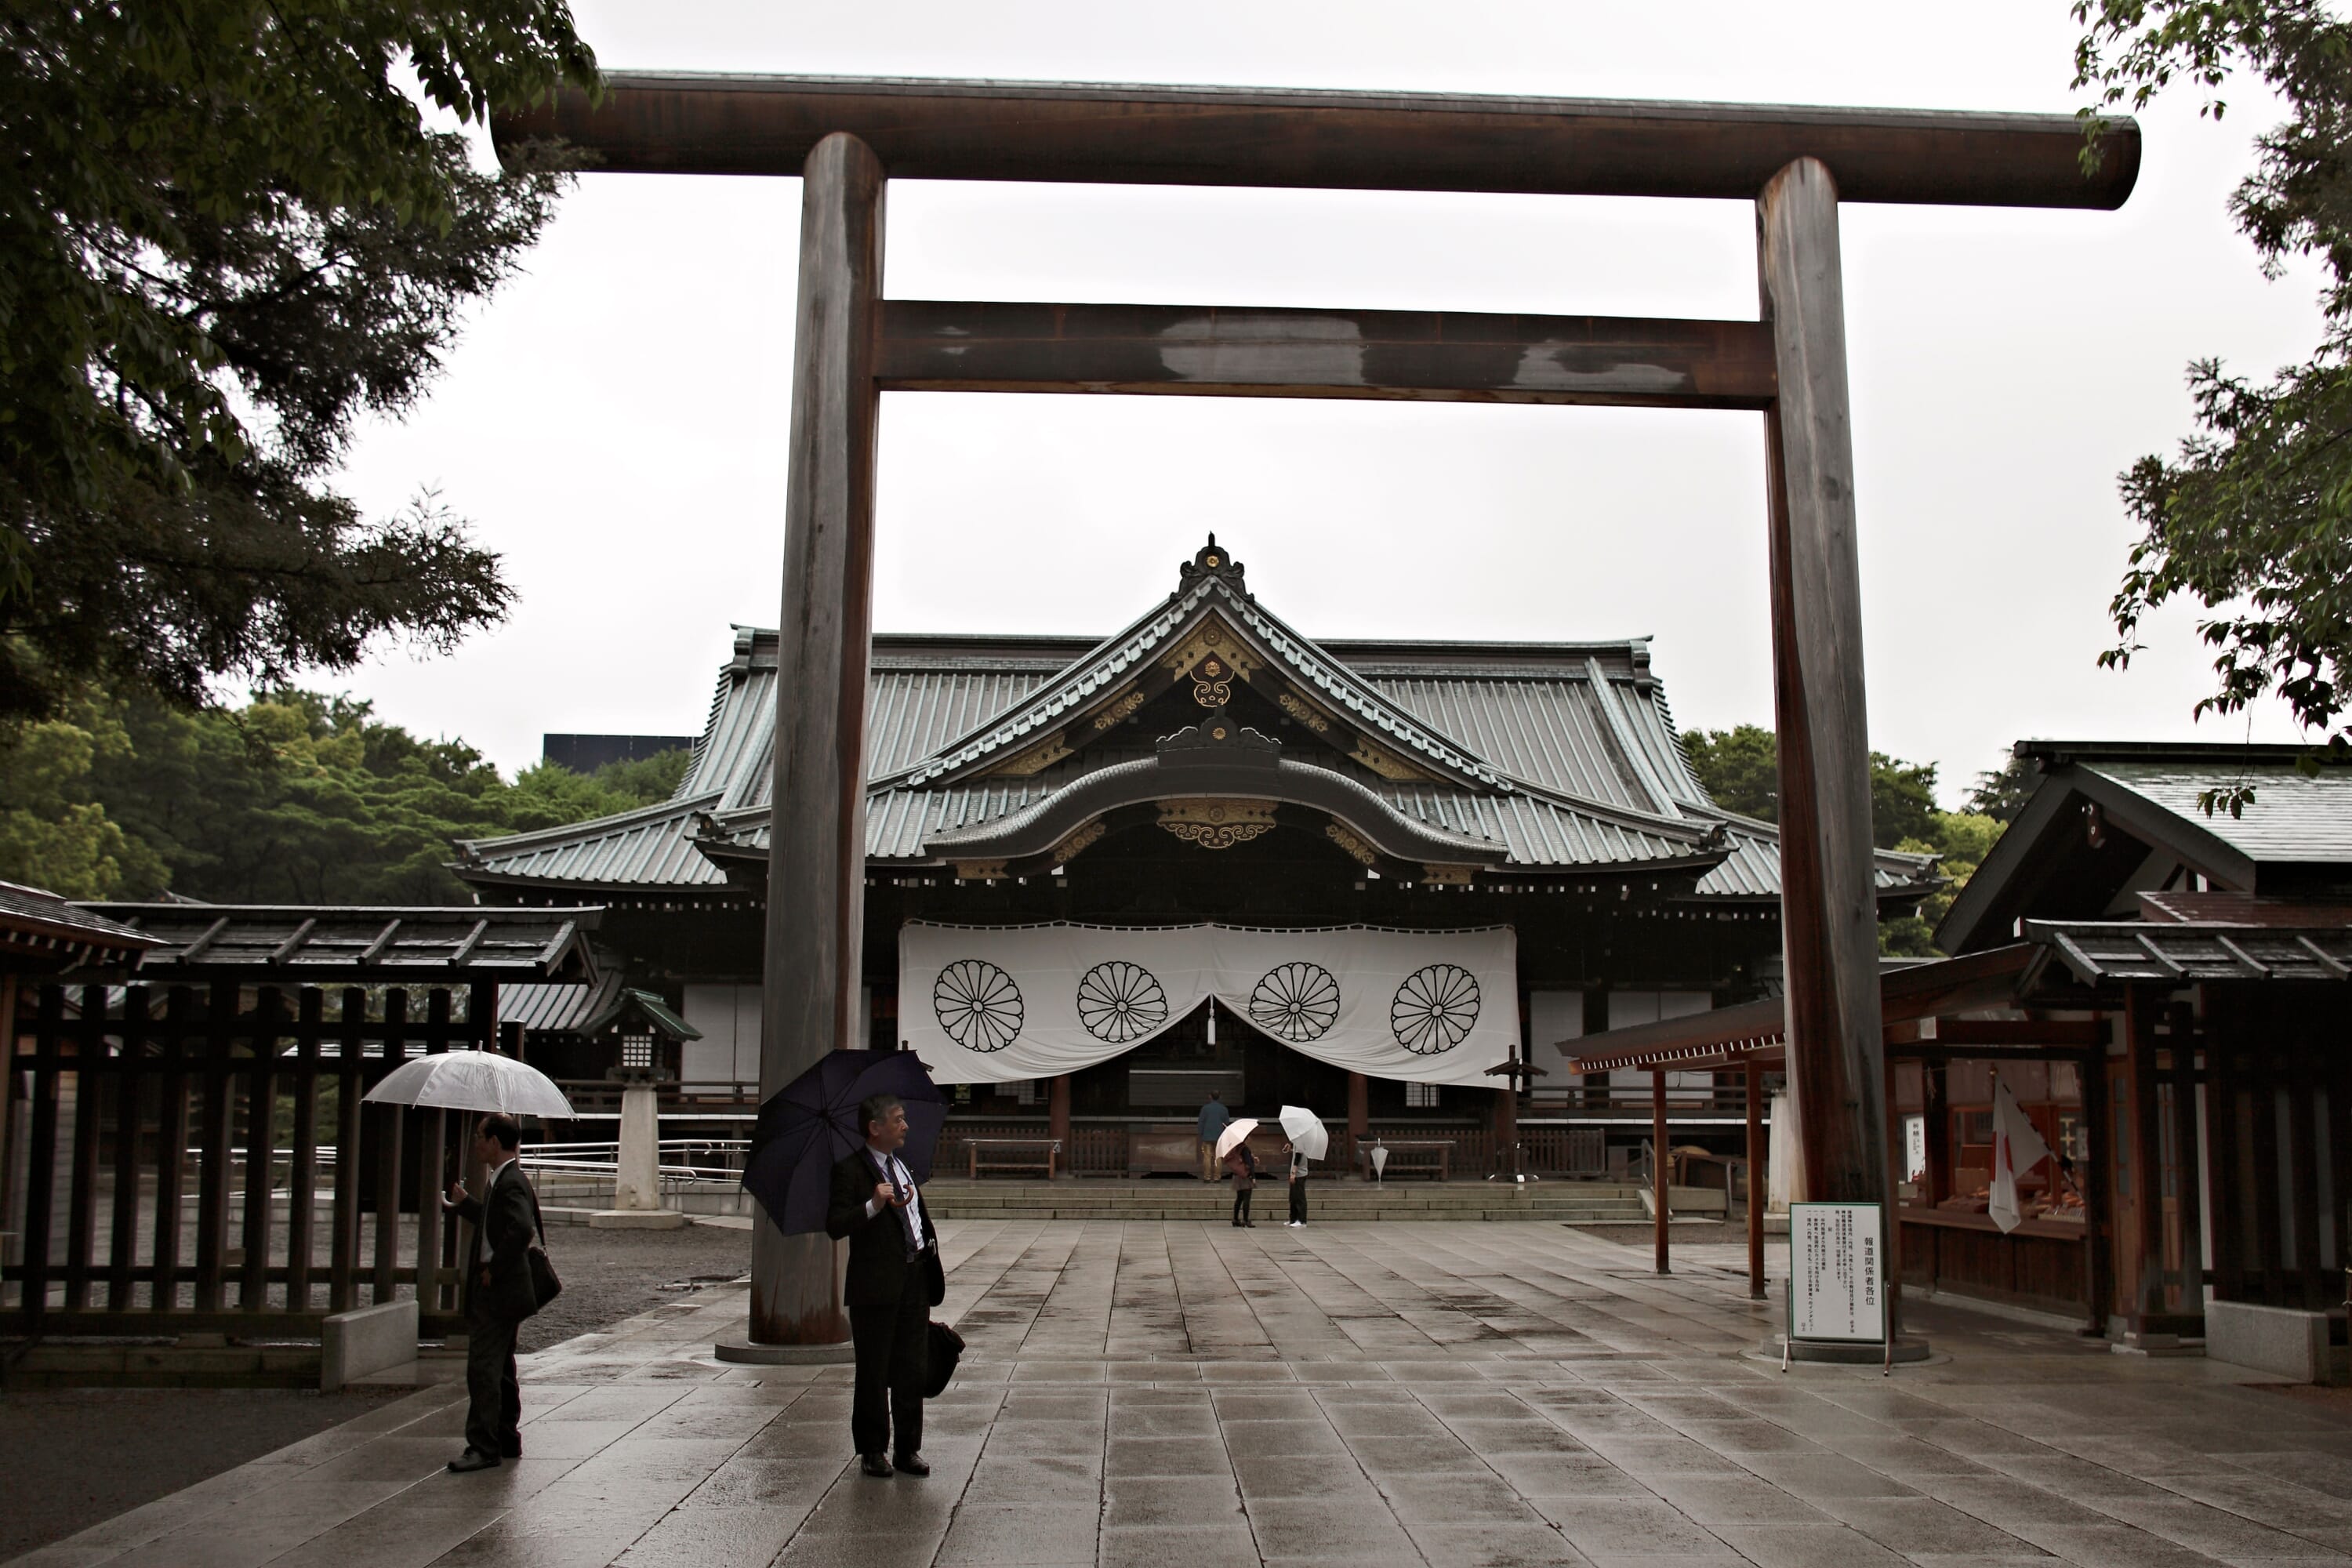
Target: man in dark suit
[(504, 1218), (895, 1280)]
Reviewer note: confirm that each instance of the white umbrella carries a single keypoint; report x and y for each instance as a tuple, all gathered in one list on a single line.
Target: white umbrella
[(472, 1080), (1233, 1134), (1305, 1131)]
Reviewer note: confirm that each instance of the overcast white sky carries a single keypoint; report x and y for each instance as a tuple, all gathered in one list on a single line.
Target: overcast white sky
[(614, 422)]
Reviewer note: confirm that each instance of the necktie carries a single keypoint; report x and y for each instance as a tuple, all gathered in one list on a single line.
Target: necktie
[(892, 1173)]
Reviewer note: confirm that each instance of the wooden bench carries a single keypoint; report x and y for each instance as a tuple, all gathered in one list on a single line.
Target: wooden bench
[(1431, 1157), (1038, 1154)]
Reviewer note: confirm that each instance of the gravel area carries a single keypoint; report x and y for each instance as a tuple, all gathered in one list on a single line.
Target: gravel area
[(609, 1275), (74, 1456)]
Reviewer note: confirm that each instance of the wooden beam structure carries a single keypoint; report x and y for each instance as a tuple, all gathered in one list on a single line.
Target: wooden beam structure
[(1413, 355), (816, 875), (845, 136), (676, 122)]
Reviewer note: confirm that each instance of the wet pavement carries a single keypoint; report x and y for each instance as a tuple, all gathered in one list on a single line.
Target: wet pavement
[(1173, 1393)]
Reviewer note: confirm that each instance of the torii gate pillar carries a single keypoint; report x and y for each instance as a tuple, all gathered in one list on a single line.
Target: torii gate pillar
[(816, 869)]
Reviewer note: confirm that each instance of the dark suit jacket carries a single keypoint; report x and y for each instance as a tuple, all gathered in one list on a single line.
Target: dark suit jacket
[(878, 1246), (505, 1219)]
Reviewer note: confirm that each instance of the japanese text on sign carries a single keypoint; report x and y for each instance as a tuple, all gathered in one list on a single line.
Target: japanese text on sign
[(1836, 1288)]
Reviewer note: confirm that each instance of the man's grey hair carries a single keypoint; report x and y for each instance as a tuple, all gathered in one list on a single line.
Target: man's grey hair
[(876, 1108)]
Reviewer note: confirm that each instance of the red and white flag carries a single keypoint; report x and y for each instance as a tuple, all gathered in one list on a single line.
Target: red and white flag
[(2016, 1147)]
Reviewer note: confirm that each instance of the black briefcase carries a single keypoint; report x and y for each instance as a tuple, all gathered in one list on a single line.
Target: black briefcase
[(521, 1292), (946, 1349)]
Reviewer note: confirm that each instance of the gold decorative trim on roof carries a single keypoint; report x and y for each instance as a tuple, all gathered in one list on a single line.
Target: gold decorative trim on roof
[(1070, 848), (1387, 764), (1217, 824), (1305, 712), (1212, 638), (1361, 852), (1037, 759), (1120, 707)]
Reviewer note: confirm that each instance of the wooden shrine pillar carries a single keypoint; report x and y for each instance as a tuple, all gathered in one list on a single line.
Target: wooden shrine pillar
[(1936, 1116), (1828, 904), (1058, 1117), (816, 855), (1660, 1181), (1506, 1129), (1360, 1116), (1755, 1076)]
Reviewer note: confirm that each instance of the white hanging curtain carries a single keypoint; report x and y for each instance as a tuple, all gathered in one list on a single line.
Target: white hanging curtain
[(994, 1003)]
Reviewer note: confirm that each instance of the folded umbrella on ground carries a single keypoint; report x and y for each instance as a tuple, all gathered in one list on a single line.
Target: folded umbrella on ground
[(808, 1126)]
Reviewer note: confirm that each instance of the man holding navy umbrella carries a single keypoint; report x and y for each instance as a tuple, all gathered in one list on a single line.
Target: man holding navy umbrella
[(894, 1278)]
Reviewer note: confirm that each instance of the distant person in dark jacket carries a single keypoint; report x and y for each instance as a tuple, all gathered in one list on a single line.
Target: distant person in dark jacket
[(895, 1280), (505, 1217), (1214, 1118)]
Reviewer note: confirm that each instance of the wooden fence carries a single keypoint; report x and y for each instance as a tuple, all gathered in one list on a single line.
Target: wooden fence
[(149, 1135)]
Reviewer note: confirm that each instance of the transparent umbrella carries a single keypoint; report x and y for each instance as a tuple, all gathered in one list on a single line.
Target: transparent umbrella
[(472, 1080)]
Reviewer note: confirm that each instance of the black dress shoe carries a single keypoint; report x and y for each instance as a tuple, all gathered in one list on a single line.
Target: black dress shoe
[(473, 1459), (912, 1465), (873, 1464)]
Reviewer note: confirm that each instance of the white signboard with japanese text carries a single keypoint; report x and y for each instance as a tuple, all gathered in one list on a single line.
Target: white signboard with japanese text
[(1837, 1285)]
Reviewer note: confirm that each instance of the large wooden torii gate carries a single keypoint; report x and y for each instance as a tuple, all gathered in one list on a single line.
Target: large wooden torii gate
[(845, 137)]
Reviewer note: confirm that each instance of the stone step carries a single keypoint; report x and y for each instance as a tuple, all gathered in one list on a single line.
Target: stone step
[(1554, 1203)]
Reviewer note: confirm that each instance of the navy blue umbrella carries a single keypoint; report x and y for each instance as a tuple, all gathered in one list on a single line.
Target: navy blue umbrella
[(810, 1124)]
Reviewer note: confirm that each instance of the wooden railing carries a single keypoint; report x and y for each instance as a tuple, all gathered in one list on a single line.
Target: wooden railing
[(1100, 1148), (151, 1139)]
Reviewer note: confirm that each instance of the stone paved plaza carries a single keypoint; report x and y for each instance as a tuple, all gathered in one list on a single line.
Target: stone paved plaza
[(1176, 1394)]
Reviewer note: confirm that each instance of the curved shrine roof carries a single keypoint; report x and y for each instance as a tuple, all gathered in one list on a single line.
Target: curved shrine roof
[(1548, 757)]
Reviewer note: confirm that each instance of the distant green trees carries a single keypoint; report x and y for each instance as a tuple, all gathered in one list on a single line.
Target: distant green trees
[(1740, 769), (297, 797)]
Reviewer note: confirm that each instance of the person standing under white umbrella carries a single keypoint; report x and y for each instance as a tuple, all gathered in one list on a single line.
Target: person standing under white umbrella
[(1309, 1141)]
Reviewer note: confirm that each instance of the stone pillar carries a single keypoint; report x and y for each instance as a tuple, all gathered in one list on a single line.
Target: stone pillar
[(816, 856), (636, 1176)]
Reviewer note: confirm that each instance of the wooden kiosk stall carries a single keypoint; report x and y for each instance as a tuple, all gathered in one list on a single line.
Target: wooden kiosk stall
[(1955, 1020)]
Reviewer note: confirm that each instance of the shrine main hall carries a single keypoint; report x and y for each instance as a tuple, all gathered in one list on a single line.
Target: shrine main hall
[(1209, 852)]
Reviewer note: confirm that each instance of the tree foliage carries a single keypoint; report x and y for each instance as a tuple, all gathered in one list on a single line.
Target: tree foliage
[(296, 798), (2253, 519), (225, 235), (1739, 769)]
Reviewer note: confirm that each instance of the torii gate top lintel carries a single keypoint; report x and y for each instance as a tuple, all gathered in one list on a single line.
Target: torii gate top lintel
[(701, 123)]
